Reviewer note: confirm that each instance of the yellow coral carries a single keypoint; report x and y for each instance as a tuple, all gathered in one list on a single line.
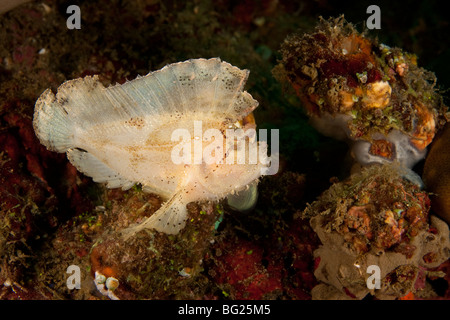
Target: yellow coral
[(378, 95)]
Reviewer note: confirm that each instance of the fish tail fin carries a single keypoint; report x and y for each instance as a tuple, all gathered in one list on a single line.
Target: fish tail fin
[(52, 123)]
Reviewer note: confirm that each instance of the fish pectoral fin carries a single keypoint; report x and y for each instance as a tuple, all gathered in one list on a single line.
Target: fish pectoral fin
[(95, 168), (169, 219), (244, 200)]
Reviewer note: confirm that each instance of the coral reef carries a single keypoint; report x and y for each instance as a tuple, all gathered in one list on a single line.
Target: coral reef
[(53, 217), (376, 217), (387, 108), (354, 88)]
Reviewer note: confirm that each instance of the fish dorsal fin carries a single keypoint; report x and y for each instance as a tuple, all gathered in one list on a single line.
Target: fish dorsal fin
[(193, 88), (202, 86)]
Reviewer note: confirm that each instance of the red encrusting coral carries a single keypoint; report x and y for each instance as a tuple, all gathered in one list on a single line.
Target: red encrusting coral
[(240, 270)]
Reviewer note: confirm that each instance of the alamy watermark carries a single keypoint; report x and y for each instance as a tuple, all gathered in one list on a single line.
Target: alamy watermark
[(228, 147), (74, 280), (374, 21), (374, 280), (74, 20)]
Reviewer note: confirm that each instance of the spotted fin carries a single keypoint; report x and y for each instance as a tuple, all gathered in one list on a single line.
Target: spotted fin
[(200, 85)]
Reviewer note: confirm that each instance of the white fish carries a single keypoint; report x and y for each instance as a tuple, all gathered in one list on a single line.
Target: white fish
[(122, 135)]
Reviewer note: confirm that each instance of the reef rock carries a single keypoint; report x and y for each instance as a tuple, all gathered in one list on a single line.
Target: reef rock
[(371, 95), (379, 220)]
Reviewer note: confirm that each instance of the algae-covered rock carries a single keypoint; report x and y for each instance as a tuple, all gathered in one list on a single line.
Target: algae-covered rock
[(376, 218)]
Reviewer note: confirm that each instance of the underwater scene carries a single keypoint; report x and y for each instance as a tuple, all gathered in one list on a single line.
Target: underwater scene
[(224, 150)]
